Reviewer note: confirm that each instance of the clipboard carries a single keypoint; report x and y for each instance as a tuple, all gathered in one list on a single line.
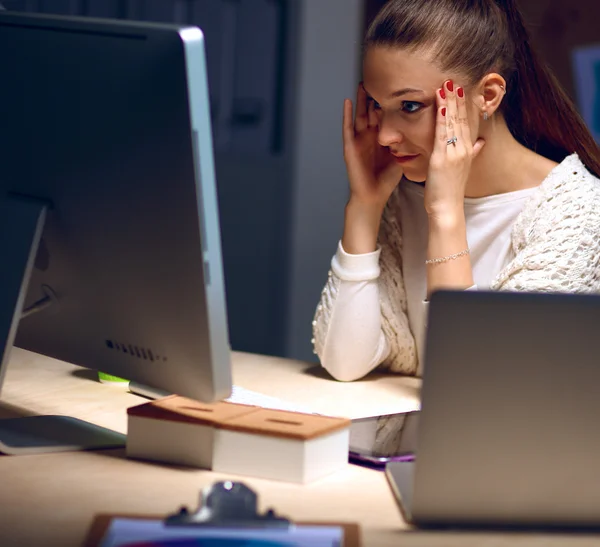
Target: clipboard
[(101, 523), (224, 505)]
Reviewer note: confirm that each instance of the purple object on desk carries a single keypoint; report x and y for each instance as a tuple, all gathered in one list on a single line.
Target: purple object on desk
[(377, 463)]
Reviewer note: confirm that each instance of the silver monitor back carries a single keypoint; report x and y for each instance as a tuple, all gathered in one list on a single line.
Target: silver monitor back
[(508, 431), (105, 128)]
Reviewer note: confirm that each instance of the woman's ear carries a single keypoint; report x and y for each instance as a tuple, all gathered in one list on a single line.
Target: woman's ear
[(490, 94)]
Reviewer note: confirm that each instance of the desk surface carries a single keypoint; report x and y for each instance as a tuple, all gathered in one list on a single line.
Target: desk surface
[(49, 500)]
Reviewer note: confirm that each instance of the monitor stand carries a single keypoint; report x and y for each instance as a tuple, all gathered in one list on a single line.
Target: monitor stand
[(21, 225)]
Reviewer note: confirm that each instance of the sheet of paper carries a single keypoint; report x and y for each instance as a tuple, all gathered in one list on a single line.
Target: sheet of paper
[(245, 396), (146, 533), (239, 395)]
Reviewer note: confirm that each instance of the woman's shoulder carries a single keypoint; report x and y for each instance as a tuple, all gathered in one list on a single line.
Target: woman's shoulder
[(556, 238), (570, 179), (569, 187), (567, 200)]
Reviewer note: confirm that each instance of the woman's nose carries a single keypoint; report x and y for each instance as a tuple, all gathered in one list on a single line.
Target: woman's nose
[(388, 135)]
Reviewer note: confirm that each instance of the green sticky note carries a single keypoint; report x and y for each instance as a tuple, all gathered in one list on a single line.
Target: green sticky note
[(109, 378)]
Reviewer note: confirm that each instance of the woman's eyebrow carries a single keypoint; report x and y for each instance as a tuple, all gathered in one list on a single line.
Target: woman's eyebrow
[(398, 93), (405, 91)]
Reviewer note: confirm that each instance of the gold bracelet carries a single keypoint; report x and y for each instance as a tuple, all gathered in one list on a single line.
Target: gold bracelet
[(447, 258)]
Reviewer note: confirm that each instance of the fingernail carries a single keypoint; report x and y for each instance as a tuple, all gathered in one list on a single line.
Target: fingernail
[(460, 92), (442, 93), (444, 111), (450, 86)]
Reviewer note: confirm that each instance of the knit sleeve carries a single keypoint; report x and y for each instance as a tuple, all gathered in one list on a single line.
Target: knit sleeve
[(402, 356), (361, 320), (556, 240), (347, 333)]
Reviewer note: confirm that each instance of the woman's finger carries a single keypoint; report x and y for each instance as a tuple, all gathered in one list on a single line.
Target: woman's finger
[(463, 117), (479, 144), (347, 125), (452, 128), (361, 121), (441, 130), (371, 115)]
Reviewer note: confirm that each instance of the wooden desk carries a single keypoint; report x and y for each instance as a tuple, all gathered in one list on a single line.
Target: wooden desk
[(50, 500)]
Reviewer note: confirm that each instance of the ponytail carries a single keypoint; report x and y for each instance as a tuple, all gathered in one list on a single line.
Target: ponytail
[(537, 110)]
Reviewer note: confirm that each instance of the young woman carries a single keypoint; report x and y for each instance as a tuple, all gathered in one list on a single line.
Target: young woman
[(469, 168)]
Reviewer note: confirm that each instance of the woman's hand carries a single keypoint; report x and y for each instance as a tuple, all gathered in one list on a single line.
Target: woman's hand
[(372, 170), (449, 168), (450, 164)]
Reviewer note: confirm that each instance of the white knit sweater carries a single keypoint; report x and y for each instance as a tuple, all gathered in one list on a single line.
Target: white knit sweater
[(556, 244)]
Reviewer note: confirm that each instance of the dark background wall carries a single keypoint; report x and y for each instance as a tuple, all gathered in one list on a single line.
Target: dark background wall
[(278, 73)]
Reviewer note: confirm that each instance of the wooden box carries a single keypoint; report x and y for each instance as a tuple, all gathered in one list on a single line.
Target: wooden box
[(239, 439)]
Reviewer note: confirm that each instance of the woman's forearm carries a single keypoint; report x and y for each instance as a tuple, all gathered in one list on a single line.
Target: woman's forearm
[(447, 247), (361, 227)]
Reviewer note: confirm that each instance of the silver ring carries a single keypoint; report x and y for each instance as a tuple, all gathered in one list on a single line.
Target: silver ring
[(453, 141)]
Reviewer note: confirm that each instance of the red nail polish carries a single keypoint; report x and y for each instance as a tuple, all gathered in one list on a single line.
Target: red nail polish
[(460, 92), (444, 111), (450, 86), (442, 93)]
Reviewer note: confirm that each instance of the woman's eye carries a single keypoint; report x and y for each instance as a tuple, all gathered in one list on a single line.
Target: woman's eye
[(411, 107), (376, 105)]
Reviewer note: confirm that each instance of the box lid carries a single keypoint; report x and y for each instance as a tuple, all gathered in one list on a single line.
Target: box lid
[(175, 408), (279, 423)]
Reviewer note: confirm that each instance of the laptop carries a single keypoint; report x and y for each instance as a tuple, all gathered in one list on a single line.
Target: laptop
[(509, 430)]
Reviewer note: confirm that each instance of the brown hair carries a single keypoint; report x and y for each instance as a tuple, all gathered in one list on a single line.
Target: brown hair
[(475, 37)]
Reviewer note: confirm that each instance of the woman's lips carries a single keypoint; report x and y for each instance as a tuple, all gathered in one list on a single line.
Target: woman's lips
[(405, 159)]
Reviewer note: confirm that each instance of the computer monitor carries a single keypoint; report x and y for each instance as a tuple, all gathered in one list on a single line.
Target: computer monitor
[(110, 253)]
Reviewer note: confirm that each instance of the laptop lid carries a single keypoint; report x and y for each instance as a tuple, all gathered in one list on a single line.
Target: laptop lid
[(510, 419)]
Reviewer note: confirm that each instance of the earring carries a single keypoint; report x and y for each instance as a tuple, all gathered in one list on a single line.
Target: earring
[(485, 117)]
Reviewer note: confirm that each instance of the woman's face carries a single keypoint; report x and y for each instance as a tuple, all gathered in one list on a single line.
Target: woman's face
[(402, 88)]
